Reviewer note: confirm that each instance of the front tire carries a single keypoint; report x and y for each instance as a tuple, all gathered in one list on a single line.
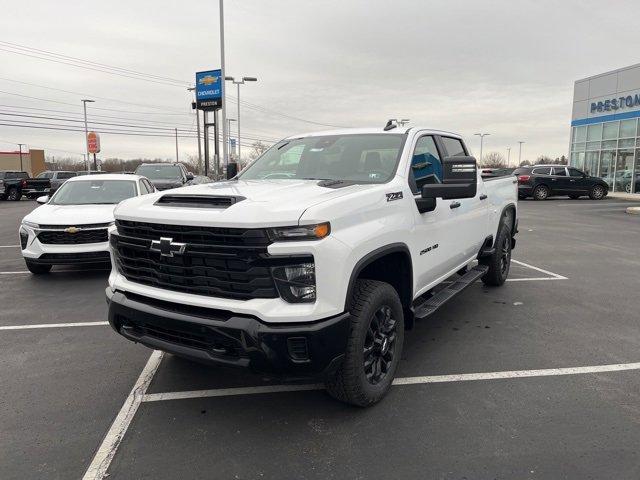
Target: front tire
[(598, 192), (541, 192), (499, 262), (35, 268), (374, 347)]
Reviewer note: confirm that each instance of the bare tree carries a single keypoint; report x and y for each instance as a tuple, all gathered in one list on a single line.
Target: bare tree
[(543, 160), (258, 148), (493, 160)]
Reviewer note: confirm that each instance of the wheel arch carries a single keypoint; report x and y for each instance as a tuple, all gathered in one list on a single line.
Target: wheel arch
[(375, 266)]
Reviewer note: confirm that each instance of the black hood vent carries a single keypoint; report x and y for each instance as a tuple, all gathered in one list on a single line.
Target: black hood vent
[(198, 201)]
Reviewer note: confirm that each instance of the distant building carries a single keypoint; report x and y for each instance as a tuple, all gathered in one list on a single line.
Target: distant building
[(32, 161), (605, 134)]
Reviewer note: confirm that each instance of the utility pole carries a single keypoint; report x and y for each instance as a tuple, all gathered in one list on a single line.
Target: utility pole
[(176, 130), (481, 135), (508, 156), (86, 133), (229, 120), (222, 87), (520, 154), (238, 83), (198, 124), (20, 146)]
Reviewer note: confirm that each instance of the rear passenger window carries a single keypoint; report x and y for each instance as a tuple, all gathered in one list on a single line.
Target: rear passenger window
[(425, 161), (542, 171), (453, 146), (575, 173), (560, 172)]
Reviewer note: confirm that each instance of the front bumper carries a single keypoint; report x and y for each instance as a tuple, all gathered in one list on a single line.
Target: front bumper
[(61, 254), (224, 338)]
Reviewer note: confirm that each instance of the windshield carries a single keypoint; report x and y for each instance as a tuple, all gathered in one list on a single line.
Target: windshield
[(45, 175), (360, 158), (94, 192), (160, 172)]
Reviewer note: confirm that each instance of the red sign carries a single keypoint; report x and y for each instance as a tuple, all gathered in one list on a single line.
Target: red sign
[(93, 141)]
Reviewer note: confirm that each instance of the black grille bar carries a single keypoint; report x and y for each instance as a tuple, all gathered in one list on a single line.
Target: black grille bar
[(61, 237)]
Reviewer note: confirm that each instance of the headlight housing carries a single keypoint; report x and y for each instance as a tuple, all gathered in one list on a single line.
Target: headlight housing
[(301, 232), (296, 283), (30, 224)]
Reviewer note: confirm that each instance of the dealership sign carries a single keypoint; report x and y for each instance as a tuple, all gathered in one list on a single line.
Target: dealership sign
[(93, 142), (209, 90), (614, 104)]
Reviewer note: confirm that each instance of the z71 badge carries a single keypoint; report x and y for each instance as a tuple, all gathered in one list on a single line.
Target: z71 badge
[(394, 196)]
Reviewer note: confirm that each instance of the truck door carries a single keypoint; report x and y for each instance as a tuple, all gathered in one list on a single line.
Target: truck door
[(469, 216), (427, 240)]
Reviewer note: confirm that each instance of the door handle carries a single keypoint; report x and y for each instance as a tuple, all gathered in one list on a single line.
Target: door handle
[(453, 205), (572, 180), (483, 197)]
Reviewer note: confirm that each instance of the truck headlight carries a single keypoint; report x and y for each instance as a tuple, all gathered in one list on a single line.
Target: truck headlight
[(30, 224), (301, 232), (296, 283)]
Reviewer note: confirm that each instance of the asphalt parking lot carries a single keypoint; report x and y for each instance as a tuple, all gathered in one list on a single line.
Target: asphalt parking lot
[(563, 336)]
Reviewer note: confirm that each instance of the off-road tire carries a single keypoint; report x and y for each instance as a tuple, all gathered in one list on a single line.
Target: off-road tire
[(541, 192), (598, 192), (13, 194), (349, 383), (37, 269), (499, 262)]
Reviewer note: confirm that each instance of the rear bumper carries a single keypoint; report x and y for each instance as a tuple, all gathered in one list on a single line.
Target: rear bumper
[(34, 191), (223, 338), (525, 190)]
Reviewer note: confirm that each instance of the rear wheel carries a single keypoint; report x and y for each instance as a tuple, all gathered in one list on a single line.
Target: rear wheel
[(598, 192), (13, 194), (374, 347), (499, 262), (36, 268), (541, 192)]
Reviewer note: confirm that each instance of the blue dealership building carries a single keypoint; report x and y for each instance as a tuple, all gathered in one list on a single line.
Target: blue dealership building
[(605, 130)]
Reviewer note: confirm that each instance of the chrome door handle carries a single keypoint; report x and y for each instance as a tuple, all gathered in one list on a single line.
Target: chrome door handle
[(483, 197), (454, 205)]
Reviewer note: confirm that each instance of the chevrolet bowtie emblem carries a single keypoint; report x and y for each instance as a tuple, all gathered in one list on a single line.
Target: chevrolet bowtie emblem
[(72, 230), (167, 247)]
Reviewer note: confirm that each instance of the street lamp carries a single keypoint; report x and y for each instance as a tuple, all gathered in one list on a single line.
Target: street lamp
[(481, 135), (520, 154), (192, 89), (86, 131), (222, 89), (238, 83), (508, 156), (229, 120), (20, 146)]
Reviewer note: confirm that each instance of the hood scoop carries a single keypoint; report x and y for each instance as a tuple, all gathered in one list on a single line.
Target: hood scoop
[(335, 183), (197, 201)]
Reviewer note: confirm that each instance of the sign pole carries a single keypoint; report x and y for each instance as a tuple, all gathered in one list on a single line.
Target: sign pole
[(95, 163), (206, 143), (222, 87), (216, 144)]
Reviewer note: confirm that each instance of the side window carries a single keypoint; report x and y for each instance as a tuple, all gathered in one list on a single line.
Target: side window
[(22, 175), (559, 171), (542, 171), (453, 146), (150, 188), (143, 187), (575, 173), (425, 161)]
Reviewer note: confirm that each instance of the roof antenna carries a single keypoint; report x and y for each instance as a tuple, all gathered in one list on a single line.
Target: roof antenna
[(391, 124)]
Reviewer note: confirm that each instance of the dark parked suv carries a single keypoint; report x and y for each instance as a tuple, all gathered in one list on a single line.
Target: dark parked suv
[(543, 181)]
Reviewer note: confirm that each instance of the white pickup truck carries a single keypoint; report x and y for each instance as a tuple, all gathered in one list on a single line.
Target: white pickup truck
[(316, 258)]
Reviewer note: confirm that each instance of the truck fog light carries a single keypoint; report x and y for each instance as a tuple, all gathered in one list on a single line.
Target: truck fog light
[(296, 283)]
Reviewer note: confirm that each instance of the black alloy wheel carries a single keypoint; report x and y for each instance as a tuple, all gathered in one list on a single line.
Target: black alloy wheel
[(379, 345)]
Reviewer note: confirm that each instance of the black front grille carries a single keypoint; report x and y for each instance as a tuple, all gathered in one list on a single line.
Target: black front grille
[(219, 262), (80, 257), (60, 237)]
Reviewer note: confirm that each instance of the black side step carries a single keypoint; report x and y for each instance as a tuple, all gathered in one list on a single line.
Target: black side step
[(430, 305)]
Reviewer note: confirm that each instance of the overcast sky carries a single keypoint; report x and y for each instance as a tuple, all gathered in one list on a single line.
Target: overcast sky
[(502, 67)]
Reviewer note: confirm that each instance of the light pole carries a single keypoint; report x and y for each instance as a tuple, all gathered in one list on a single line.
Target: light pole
[(229, 120), (481, 135), (520, 154), (86, 132), (20, 147), (238, 83), (508, 156), (198, 124), (176, 130), (222, 89)]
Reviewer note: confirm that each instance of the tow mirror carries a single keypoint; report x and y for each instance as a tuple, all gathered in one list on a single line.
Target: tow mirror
[(43, 199), (232, 170), (460, 180)]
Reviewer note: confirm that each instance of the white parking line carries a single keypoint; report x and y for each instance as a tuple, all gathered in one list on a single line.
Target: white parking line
[(13, 273), (53, 325), (107, 450), (9, 246), (463, 377), (555, 275)]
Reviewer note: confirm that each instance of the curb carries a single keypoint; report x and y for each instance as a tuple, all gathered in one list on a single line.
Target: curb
[(633, 210)]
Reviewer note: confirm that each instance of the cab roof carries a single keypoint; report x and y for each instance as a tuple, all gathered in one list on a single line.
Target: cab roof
[(376, 130)]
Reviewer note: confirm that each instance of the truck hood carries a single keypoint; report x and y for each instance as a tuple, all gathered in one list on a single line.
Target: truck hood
[(260, 203), (71, 214)]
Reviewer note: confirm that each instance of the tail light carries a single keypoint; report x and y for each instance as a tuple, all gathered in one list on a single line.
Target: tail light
[(23, 183), (523, 178)]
